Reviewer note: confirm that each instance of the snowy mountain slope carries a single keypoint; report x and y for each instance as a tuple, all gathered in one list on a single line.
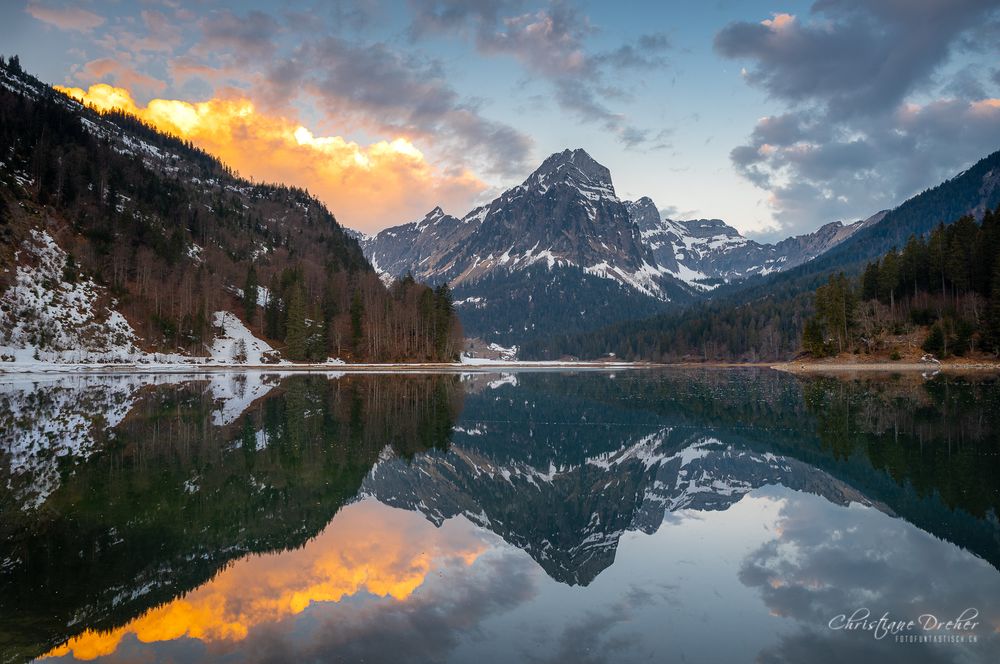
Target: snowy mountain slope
[(537, 246), (557, 252), (564, 215), (53, 315), (46, 317), (706, 252)]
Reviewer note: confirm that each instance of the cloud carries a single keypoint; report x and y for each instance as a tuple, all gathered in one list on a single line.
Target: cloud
[(354, 85), (376, 87), (816, 171), (348, 87), (551, 43), (113, 71), (851, 141), (437, 16), (249, 36), (368, 187), (856, 56), (67, 18)]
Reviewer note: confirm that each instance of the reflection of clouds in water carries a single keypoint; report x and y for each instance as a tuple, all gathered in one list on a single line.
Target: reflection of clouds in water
[(828, 560), (588, 639), (427, 627), (369, 550)]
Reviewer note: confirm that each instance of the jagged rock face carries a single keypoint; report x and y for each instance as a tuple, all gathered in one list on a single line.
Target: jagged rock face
[(705, 252), (661, 238), (564, 215), (416, 244)]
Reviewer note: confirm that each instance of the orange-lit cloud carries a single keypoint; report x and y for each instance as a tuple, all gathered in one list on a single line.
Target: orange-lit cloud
[(366, 187), (367, 548), (779, 21)]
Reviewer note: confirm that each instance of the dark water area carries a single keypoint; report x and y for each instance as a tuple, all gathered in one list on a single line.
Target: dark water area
[(648, 515)]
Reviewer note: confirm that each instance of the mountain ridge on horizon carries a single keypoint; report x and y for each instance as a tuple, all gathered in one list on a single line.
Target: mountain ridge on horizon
[(565, 217)]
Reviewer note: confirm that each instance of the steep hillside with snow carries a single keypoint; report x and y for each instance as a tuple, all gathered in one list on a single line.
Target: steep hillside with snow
[(50, 313), (119, 243)]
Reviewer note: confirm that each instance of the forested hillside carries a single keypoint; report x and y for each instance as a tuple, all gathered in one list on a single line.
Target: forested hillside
[(106, 213), (940, 295)]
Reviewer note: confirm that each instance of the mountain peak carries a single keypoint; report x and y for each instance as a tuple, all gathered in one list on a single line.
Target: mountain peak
[(431, 217), (574, 167)]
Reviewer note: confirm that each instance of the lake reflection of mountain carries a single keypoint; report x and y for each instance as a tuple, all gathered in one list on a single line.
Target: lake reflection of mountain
[(122, 494)]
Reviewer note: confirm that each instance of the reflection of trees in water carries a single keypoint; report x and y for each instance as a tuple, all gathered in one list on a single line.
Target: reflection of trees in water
[(170, 498), (941, 436)]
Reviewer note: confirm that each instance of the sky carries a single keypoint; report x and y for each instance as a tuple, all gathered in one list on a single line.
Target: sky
[(777, 117)]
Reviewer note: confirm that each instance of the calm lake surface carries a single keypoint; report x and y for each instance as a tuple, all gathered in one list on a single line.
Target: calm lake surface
[(666, 516)]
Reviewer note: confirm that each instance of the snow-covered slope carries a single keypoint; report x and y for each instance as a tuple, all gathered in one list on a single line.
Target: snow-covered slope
[(50, 314), (235, 344)]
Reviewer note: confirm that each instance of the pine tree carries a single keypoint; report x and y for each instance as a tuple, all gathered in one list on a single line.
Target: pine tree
[(812, 338), (297, 332), (272, 312), (250, 294), (357, 314), (888, 278)]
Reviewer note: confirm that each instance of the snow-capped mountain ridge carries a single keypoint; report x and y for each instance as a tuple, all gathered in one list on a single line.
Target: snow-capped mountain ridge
[(565, 214), (574, 168), (706, 252)]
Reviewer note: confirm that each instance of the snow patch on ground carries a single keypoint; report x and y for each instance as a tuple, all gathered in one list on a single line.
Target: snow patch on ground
[(506, 353), (236, 344), (43, 317)]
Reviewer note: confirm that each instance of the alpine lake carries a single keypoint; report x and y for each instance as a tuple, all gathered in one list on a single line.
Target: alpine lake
[(643, 515)]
